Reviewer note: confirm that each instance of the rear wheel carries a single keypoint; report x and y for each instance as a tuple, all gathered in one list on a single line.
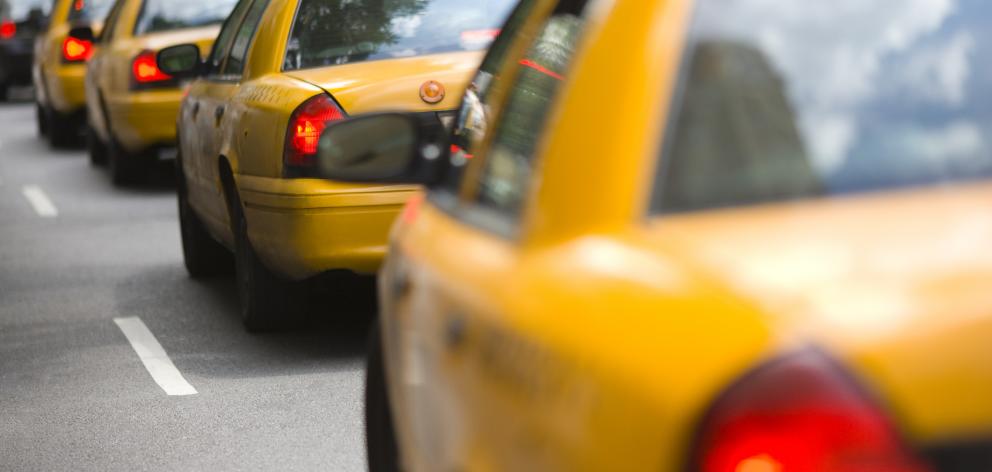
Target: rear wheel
[(95, 146), (125, 167), (62, 131), (4, 92), (380, 434), (267, 300), (203, 256)]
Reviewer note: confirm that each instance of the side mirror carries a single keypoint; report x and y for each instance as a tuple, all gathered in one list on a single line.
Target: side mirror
[(182, 61), (384, 148), (82, 33)]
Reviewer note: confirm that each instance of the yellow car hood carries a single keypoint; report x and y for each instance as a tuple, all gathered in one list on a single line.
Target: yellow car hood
[(896, 285), (394, 84), (203, 37)]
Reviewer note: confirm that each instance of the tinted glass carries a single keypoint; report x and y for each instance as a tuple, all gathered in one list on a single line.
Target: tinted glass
[(236, 61), (806, 100), (508, 172), (329, 32), (25, 10), (165, 15), (89, 10)]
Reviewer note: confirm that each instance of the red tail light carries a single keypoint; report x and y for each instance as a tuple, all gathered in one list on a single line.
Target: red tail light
[(305, 126), (800, 414), (146, 74), (8, 29), (76, 50)]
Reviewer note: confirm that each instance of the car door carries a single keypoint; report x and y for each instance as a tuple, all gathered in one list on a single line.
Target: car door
[(450, 284), (201, 123)]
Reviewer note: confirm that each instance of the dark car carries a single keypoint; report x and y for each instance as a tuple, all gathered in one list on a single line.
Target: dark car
[(20, 22)]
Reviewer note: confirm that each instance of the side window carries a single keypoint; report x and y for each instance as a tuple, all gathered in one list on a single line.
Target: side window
[(107, 34), (239, 51), (227, 34), (507, 172), (471, 125)]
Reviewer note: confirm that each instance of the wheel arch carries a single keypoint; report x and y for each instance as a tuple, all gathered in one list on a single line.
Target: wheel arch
[(229, 190)]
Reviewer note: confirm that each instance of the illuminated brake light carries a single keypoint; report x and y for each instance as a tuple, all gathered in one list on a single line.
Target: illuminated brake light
[(305, 127), (8, 29), (77, 50), (800, 413), (145, 69)]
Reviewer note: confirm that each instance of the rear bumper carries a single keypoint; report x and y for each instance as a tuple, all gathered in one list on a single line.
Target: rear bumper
[(146, 119), (303, 227)]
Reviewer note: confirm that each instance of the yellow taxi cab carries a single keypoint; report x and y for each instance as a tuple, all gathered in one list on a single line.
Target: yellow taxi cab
[(60, 67), (712, 235), (282, 70), (131, 104)]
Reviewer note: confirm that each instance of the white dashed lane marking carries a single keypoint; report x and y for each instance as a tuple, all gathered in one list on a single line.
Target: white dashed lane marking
[(42, 205), (156, 361)]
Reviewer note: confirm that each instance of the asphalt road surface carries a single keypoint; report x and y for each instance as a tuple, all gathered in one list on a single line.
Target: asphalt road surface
[(76, 254)]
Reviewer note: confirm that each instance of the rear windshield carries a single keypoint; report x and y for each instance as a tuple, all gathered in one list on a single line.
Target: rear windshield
[(822, 98), (329, 32), (24, 10), (89, 10), (165, 15)]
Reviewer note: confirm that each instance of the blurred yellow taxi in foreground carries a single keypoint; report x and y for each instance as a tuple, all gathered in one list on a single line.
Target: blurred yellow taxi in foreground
[(706, 236), (281, 71), (131, 104), (60, 66)]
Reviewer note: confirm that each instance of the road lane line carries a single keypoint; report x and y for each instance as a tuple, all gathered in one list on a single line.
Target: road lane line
[(42, 205), (156, 361)]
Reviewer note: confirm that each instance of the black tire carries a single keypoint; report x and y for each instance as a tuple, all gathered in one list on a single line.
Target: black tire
[(380, 433), (42, 120), (125, 167), (95, 147), (4, 92), (202, 255), (267, 300), (62, 131)]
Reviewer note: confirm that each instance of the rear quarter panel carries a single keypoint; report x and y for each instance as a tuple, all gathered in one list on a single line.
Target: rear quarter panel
[(594, 355), (254, 143)]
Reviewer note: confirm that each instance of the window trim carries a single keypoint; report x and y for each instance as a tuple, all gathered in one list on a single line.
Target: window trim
[(458, 202), (219, 77), (463, 206), (289, 37), (113, 18), (251, 40), (676, 105)]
